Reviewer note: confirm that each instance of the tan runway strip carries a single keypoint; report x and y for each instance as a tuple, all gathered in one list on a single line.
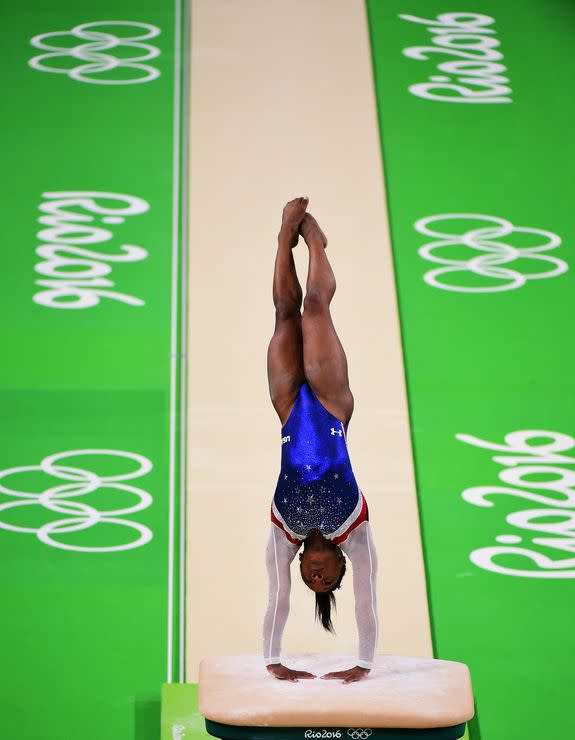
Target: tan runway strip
[(282, 105)]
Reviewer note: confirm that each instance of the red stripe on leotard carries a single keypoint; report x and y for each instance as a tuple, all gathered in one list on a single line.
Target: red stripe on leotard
[(361, 518), (277, 522)]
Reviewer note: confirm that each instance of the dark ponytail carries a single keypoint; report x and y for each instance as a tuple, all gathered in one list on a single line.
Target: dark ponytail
[(325, 601)]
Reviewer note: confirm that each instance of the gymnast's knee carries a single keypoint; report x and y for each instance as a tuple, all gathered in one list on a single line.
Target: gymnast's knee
[(317, 298)]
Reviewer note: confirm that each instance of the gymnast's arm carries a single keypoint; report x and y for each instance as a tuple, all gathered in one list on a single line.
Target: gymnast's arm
[(360, 549), (279, 555)]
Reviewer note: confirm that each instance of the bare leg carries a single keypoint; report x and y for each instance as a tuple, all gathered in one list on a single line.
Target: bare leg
[(325, 363), (285, 351)]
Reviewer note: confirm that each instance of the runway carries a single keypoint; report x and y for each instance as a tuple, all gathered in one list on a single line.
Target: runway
[(256, 144)]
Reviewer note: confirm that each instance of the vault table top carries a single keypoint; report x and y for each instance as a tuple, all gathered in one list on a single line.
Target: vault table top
[(400, 691)]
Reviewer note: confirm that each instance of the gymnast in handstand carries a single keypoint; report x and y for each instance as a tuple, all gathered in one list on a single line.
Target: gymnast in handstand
[(317, 502)]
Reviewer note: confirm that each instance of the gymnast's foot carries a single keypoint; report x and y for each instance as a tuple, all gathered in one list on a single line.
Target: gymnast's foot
[(292, 215), (311, 232)]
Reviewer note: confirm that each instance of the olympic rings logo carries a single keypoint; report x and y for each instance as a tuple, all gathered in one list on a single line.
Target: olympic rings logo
[(490, 258), (80, 515), (94, 53), (359, 733)]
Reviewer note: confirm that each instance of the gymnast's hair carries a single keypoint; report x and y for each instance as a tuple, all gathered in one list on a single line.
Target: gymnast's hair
[(324, 602)]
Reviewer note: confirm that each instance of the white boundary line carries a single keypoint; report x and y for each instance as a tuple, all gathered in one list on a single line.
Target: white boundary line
[(173, 324), (184, 343)]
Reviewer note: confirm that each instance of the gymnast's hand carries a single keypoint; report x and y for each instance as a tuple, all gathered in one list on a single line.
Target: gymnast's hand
[(287, 674), (349, 676)]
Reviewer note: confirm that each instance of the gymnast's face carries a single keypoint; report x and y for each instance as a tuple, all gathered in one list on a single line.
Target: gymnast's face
[(320, 566)]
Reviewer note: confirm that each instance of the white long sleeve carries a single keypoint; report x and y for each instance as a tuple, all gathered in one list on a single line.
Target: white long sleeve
[(360, 550), (279, 555)]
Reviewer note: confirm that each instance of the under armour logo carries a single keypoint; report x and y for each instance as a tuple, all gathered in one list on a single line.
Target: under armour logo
[(336, 431)]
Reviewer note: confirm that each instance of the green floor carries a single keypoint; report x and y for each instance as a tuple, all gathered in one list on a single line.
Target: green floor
[(480, 196), (89, 399)]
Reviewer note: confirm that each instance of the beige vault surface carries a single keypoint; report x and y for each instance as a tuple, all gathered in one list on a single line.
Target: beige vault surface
[(399, 692)]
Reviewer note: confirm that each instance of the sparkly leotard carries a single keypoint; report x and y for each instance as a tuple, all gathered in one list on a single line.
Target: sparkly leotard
[(316, 487)]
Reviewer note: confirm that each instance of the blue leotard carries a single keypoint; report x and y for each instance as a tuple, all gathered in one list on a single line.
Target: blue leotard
[(316, 487)]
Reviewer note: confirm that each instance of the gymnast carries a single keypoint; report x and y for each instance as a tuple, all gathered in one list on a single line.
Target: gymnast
[(317, 501)]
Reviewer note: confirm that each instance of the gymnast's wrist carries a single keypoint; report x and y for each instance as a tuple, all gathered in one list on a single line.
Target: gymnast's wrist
[(274, 668), (365, 664)]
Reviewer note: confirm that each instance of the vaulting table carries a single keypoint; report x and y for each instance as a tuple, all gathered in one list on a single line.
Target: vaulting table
[(402, 697)]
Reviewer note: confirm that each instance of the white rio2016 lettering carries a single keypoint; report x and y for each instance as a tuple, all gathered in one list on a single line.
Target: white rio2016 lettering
[(77, 275), (475, 79), (522, 458), (323, 733)]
